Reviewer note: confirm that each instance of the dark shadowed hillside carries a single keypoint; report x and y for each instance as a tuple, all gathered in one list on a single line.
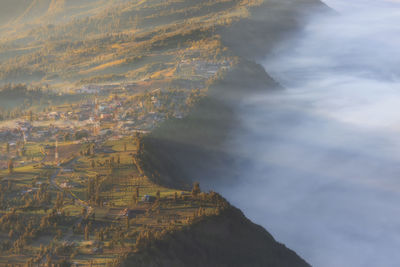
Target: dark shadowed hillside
[(255, 36), (228, 239), (193, 148)]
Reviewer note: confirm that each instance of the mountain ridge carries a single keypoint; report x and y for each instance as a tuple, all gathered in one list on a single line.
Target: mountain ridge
[(210, 242), (247, 78), (213, 53)]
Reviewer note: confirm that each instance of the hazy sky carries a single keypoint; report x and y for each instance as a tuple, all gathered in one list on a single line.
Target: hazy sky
[(321, 165)]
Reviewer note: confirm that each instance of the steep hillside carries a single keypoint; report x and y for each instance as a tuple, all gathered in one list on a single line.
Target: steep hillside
[(19, 13), (194, 148), (228, 239), (253, 37), (66, 43)]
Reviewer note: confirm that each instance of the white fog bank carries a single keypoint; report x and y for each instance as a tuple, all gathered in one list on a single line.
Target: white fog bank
[(321, 159)]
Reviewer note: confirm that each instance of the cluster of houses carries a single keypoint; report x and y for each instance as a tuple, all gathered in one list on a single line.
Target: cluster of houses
[(82, 114), (21, 130), (204, 69), (9, 135), (133, 213), (95, 118), (107, 88)]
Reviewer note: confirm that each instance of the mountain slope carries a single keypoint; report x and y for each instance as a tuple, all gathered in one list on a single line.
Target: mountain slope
[(191, 149), (22, 15), (150, 40), (66, 43), (194, 148), (228, 239)]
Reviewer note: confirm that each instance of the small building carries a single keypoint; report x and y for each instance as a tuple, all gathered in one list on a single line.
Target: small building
[(148, 199), (106, 117), (53, 115), (97, 250), (132, 213), (65, 185), (89, 89)]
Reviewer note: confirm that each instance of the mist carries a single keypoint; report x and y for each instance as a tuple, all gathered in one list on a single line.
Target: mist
[(319, 162)]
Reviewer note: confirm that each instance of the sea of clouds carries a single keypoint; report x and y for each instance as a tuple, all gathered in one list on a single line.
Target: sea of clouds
[(320, 160)]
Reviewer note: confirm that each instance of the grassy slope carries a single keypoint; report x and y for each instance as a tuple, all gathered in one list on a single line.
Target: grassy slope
[(14, 12), (87, 41)]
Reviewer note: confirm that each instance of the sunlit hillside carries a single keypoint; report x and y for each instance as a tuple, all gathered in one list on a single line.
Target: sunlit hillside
[(28, 13), (70, 42)]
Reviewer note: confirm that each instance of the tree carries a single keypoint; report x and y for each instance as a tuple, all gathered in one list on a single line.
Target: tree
[(8, 147), (59, 234), (91, 150), (10, 166), (67, 137), (196, 189), (138, 143), (59, 200), (112, 162), (9, 185), (64, 263), (30, 116), (134, 199), (83, 212), (87, 232), (101, 235)]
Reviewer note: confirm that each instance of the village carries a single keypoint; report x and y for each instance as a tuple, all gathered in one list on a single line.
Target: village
[(76, 164), (70, 167), (105, 114)]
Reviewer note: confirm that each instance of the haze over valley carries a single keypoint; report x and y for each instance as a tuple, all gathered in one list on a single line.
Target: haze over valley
[(322, 157)]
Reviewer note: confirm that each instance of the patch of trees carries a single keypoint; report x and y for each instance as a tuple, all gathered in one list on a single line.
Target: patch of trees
[(23, 100), (39, 200), (102, 78), (94, 188), (79, 135), (88, 150)]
